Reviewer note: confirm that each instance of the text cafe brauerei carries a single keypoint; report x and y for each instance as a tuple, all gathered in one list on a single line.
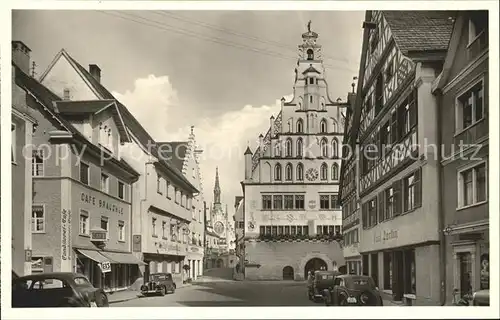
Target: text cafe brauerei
[(103, 204)]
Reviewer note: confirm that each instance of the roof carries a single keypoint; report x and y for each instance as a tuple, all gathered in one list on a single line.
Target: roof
[(248, 151), (420, 30), (131, 122), (47, 98), (174, 151)]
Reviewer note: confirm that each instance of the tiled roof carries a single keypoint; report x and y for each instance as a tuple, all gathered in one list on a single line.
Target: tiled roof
[(139, 132), (48, 98), (174, 151), (420, 30)]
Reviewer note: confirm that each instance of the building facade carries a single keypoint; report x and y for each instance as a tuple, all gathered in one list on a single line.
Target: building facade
[(291, 206), (462, 91), (161, 210), (394, 122), (185, 157), (22, 128)]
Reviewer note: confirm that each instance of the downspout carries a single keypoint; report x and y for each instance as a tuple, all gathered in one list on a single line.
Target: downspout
[(442, 238)]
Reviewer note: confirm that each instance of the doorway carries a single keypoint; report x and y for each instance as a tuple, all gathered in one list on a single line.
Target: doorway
[(288, 273), (313, 265)]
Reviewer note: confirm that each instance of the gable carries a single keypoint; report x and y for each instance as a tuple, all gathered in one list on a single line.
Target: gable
[(61, 76)]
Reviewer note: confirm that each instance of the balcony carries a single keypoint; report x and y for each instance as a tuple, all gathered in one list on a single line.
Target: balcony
[(351, 221), (472, 134)]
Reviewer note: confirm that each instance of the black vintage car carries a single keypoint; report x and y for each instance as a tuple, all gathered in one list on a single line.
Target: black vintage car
[(352, 290), (320, 281), (159, 283), (56, 289)]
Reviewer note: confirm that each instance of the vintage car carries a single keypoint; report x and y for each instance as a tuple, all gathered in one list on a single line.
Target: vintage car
[(320, 281), (56, 289), (352, 290), (159, 283), (481, 298)]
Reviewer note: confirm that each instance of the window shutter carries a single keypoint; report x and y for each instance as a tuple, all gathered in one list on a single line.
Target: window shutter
[(418, 188), (381, 211), (363, 214), (398, 197)]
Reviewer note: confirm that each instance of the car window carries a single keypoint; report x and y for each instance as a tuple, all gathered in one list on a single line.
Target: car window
[(337, 282), (368, 282), (47, 284), (82, 282), (21, 285)]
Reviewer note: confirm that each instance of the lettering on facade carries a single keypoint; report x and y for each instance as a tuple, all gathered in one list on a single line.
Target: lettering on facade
[(102, 204), (292, 216), (65, 235), (385, 236)]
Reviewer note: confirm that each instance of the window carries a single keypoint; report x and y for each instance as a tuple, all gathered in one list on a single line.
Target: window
[(164, 230), (176, 195), (288, 172), (37, 163), (372, 212), (277, 202), (310, 99), (104, 223), (478, 23), (277, 172), (389, 71), (288, 202), (167, 191), (379, 93), (412, 191), (335, 172), (299, 202), (470, 107), (407, 115), (310, 54), (288, 147), (153, 226), (324, 147), (84, 222), (37, 218), (266, 202), (13, 143), (121, 231), (104, 183), (300, 147), (121, 190), (324, 202), (374, 40), (300, 126), (335, 201), (472, 185), (183, 198), (311, 80), (300, 172), (323, 126), (324, 172), (84, 173), (158, 183), (389, 203)]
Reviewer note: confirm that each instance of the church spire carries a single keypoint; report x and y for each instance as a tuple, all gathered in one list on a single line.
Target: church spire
[(217, 187)]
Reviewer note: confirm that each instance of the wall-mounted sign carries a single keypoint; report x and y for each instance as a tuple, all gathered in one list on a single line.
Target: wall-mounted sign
[(100, 203), (98, 235), (27, 255), (385, 236), (293, 216), (66, 235), (136, 243)]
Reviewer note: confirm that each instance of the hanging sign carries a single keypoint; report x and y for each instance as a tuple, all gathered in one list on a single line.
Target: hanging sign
[(105, 266)]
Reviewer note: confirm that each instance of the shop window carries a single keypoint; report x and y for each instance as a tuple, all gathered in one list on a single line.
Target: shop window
[(388, 270), (410, 281)]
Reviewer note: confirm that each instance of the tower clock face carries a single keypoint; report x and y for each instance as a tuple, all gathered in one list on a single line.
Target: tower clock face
[(219, 227), (312, 174)]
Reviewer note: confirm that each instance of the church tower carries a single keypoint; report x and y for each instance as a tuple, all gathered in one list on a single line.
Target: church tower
[(217, 191)]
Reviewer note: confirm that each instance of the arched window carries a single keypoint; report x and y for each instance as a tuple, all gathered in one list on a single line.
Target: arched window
[(310, 54), (335, 172), (288, 172), (300, 126), (323, 126), (324, 172), (334, 129), (277, 172), (324, 147), (277, 149), (300, 172), (288, 147), (300, 147), (335, 148)]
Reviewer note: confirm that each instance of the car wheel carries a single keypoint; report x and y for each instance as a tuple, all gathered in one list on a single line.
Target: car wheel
[(328, 301), (163, 291), (343, 302)]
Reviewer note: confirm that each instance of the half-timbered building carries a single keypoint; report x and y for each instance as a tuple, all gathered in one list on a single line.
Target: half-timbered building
[(395, 123)]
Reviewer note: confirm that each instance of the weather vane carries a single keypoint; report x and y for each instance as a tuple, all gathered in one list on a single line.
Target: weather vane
[(309, 26)]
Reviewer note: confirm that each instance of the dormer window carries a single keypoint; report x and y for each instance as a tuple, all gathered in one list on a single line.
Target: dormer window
[(310, 54), (311, 80)]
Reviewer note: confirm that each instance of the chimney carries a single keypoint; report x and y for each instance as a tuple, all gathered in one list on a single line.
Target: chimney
[(21, 56), (95, 71)]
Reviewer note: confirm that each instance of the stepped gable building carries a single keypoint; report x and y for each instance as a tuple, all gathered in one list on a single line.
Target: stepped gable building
[(291, 207), (399, 228)]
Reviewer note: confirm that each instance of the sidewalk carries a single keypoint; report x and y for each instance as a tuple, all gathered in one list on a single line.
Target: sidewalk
[(126, 295)]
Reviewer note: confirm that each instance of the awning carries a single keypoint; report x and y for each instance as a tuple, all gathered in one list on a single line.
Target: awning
[(122, 258), (94, 255)]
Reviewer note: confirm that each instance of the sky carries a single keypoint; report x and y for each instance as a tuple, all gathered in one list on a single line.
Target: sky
[(222, 72)]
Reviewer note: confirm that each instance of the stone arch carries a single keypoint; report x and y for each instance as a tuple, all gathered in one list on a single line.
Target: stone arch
[(310, 256), (288, 273)]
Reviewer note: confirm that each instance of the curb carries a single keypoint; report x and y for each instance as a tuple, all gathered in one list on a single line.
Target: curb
[(138, 296)]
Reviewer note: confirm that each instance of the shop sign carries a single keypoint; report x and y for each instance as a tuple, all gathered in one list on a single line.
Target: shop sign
[(100, 203), (105, 266), (65, 235), (98, 235), (385, 236), (195, 249)]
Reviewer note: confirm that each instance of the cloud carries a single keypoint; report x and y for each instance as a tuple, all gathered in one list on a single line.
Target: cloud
[(224, 138)]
